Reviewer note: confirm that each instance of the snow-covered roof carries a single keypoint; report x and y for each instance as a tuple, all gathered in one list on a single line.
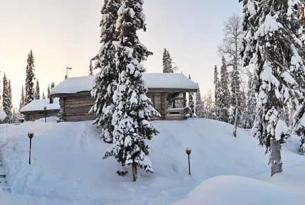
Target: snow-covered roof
[(39, 105), (169, 81), (151, 80)]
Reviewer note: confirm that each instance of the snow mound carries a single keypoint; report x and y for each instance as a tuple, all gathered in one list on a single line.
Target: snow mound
[(68, 169), (236, 190)]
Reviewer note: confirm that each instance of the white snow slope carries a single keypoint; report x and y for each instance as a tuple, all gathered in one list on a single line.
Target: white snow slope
[(68, 169)]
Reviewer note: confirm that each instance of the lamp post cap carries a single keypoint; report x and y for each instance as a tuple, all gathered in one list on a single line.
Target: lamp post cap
[(188, 151), (30, 135)]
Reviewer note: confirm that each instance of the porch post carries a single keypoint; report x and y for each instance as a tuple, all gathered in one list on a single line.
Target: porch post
[(195, 103)]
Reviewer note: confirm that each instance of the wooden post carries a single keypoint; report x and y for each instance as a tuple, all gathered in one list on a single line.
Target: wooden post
[(275, 157), (45, 114), (185, 99), (134, 172)]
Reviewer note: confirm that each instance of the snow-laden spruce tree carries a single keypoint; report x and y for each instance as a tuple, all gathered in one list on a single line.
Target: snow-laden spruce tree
[(133, 109), (167, 62), (48, 92), (199, 105), (22, 98), (29, 80), (10, 100), (217, 91), (107, 76), (250, 104), (236, 97), (6, 103), (224, 93), (272, 44), (209, 106), (37, 90)]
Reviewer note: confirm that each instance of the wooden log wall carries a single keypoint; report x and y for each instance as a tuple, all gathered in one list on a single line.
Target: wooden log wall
[(160, 103), (32, 116), (76, 108)]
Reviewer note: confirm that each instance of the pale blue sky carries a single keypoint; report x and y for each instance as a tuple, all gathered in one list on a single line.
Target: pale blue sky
[(65, 33)]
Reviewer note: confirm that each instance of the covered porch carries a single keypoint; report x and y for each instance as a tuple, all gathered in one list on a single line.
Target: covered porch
[(173, 104)]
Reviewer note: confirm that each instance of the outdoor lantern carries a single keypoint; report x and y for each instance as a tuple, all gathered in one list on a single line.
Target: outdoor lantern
[(30, 136), (188, 152)]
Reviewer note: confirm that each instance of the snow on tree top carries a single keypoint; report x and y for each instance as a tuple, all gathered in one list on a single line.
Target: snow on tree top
[(151, 80), (39, 105)]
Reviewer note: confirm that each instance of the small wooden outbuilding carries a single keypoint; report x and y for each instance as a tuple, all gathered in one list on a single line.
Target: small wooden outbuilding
[(38, 109), (168, 93)]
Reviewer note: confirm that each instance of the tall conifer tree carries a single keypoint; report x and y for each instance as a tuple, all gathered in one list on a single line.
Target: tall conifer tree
[(224, 93), (22, 99), (133, 109), (29, 81), (37, 90), (199, 105), (107, 77), (272, 43), (217, 91), (10, 100), (48, 92), (167, 62), (6, 97)]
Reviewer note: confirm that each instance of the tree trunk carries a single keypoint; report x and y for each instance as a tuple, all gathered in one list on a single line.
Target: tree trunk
[(275, 157), (134, 172), (236, 116)]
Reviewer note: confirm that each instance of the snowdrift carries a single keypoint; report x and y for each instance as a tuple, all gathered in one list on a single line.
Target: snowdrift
[(68, 169), (235, 190)]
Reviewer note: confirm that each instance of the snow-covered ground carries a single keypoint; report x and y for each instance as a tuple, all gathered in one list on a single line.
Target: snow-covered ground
[(68, 169)]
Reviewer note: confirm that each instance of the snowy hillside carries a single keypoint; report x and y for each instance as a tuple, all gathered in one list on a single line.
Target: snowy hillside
[(68, 169)]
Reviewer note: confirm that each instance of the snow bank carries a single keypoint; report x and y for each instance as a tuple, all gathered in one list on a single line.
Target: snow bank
[(235, 190), (39, 105), (67, 166), (151, 80)]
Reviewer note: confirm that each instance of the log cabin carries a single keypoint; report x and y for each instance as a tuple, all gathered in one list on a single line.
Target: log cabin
[(168, 93), (38, 109)]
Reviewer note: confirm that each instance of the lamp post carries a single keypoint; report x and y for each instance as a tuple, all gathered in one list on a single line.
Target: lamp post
[(30, 136), (45, 114), (188, 152)]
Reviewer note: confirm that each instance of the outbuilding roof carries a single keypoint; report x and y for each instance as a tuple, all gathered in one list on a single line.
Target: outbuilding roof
[(39, 105)]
